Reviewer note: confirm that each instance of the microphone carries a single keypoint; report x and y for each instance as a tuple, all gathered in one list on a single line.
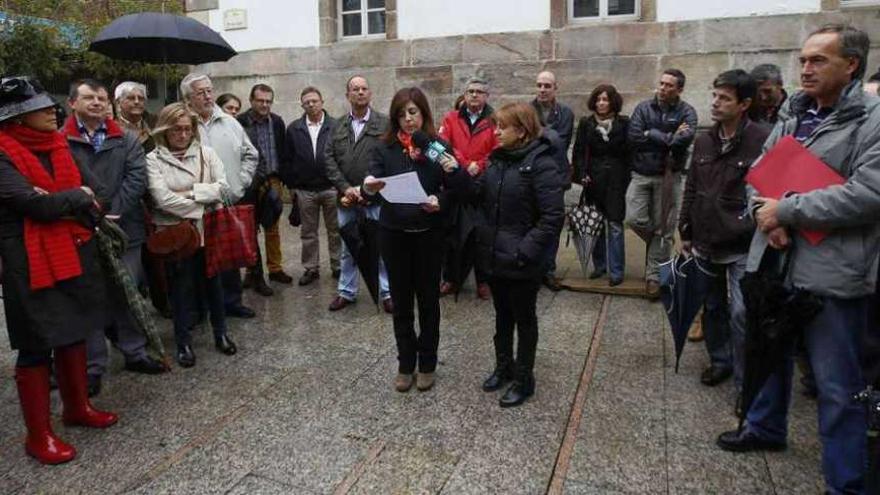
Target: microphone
[(433, 149)]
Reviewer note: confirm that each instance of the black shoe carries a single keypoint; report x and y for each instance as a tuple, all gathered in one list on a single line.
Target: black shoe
[(746, 441), (335, 273), (147, 366), (521, 389), (225, 345), (280, 277), (552, 283), (240, 312), (497, 379), (614, 282), (185, 357), (713, 376), (261, 287), (308, 277), (94, 385), (597, 274)]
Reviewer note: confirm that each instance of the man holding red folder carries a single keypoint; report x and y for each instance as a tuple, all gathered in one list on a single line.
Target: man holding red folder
[(840, 125)]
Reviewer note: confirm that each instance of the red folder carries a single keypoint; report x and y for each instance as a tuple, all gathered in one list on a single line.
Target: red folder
[(789, 167)]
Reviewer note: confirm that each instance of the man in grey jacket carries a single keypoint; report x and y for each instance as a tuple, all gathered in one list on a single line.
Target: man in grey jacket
[(117, 158), (347, 154), (224, 135), (840, 125)]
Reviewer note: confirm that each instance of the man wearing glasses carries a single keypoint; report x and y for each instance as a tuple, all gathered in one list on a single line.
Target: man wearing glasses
[(305, 173), (471, 133)]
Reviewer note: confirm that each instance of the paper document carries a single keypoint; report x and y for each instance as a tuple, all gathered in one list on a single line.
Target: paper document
[(403, 188)]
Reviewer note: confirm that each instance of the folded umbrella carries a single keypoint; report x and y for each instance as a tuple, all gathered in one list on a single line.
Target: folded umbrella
[(684, 283), (361, 238), (585, 223), (112, 244), (775, 316), (463, 244)]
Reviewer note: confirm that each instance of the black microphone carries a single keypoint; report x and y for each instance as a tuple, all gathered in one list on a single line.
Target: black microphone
[(433, 149)]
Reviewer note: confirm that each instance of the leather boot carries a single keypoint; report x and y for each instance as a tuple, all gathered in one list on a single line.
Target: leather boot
[(522, 388), (33, 394), (70, 362), (503, 373)]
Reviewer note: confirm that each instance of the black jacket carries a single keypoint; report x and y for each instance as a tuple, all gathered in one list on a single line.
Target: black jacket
[(713, 212), (72, 309), (653, 138), (387, 160), (247, 121), (302, 169), (522, 200), (561, 120), (606, 163)]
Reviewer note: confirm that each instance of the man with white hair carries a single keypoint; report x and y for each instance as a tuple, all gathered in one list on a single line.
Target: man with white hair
[(225, 135), (131, 112)]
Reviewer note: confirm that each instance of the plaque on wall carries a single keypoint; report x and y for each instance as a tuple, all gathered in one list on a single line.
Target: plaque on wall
[(234, 19)]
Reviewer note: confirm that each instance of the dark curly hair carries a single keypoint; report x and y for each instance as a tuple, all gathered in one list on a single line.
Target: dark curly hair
[(613, 97)]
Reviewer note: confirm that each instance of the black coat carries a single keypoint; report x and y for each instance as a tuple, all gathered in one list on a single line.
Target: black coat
[(522, 200), (387, 160), (606, 163), (66, 313), (246, 119), (561, 120), (653, 138), (713, 210), (302, 169)]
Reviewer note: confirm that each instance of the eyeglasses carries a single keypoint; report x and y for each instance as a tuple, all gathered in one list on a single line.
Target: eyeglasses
[(204, 92), (475, 92)]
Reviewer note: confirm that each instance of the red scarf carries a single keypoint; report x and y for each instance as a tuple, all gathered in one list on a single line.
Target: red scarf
[(51, 246), (408, 146)]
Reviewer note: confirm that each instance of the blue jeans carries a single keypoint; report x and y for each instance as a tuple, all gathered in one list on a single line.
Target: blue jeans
[(832, 344), (186, 280), (724, 318), (609, 253), (348, 276)]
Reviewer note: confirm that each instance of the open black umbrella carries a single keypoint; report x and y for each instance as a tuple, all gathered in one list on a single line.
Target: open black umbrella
[(775, 316), (361, 238), (157, 38), (684, 283)]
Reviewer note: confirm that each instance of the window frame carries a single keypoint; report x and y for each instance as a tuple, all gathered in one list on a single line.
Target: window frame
[(603, 14), (364, 11), (854, 4)]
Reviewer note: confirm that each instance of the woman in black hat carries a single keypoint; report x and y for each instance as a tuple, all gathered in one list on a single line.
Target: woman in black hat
[(52, 282)]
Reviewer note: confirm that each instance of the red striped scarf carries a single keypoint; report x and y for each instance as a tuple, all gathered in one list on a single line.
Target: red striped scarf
[(51, 246)]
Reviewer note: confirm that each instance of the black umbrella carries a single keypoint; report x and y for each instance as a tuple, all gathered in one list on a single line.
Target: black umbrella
[(156, 38), (361, 238), (684, 283), (463, 245), (775, 316)]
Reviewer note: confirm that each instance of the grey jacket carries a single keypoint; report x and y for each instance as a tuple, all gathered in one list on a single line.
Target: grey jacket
[(227, 138), (347, 160), (844, 264)]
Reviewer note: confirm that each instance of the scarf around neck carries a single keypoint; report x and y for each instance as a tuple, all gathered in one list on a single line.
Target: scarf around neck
[(51, 246), (408, 147)]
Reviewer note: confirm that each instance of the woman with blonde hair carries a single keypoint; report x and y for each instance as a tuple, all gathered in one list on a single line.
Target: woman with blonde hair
[(522, 197), (186, 179)]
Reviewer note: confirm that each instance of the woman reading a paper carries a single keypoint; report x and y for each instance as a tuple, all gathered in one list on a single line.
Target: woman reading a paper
[(410, 233)]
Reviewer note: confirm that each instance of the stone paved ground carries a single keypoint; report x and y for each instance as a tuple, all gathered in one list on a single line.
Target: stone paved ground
[(307, 406)]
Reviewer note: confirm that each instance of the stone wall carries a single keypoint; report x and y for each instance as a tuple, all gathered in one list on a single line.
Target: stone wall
[(629, 55)]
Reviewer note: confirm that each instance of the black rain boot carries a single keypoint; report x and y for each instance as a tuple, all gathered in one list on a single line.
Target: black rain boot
[(504, 371), (522, 388)]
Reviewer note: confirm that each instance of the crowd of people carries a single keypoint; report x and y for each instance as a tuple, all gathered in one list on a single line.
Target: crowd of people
[(505, 170)]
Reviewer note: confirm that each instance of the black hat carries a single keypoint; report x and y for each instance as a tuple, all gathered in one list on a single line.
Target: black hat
[(20, 95)]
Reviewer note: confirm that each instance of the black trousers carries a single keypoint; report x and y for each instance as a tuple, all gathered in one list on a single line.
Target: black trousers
[(413, 263), (515, 302)]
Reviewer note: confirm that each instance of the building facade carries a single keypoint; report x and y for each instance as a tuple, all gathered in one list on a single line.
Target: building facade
[(438, 44)]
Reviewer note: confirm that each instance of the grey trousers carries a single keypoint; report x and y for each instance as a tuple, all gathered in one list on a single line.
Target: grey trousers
[(121, 330), (643, 215), (311, 205)]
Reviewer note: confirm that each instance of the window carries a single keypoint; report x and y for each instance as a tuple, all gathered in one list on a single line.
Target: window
[(859, 3), (587, 10), (362, 18)]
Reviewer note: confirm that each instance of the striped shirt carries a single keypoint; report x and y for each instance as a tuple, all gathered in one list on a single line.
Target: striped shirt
[(810, 122)]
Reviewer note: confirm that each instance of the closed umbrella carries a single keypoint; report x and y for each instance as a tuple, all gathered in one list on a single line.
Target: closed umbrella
[(684, 283), (361, 237), (585, 223)]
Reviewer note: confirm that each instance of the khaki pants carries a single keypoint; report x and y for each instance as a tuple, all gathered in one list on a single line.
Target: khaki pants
[(272, 235), (311, 205), (643, 215)]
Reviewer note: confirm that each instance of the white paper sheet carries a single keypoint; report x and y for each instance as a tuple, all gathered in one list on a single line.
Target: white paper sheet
[(404, 188)]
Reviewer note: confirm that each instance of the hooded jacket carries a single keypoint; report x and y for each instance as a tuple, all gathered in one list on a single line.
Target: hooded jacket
[(844, 264)]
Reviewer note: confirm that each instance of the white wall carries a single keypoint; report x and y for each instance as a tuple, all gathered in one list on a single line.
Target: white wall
[(271, 24), (682, 10), (429, 18)]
